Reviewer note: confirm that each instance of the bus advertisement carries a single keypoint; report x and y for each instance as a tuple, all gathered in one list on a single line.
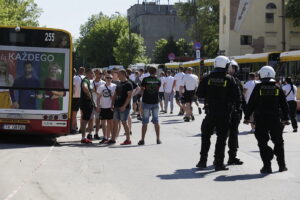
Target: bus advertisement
[(35, 80)]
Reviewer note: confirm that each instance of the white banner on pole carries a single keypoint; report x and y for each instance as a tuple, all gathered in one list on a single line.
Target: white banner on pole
[(241, 14)]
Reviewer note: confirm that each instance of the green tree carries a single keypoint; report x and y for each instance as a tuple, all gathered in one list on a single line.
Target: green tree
[(203, 15), (164, 47), (130, 50), (292, 11), (184, 48), (19, 13), (99, 38)]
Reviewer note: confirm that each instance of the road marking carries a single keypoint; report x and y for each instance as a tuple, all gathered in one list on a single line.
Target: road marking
[(24, 182)]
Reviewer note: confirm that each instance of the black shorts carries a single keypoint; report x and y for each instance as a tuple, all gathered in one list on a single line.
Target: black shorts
[(188, 96), (75, 104), (106, 114), (161, 96), (135, 99), (177, 96), (87, 111)]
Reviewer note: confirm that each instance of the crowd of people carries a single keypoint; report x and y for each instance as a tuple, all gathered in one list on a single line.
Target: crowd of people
[(106, 98)]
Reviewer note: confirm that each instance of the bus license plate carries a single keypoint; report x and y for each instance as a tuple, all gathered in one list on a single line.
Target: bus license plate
[(14, 127)]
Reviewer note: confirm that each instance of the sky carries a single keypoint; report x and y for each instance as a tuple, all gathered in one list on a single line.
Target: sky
[(70, 14)]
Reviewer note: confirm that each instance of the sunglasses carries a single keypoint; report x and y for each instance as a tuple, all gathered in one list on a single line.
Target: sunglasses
[(108, 77)]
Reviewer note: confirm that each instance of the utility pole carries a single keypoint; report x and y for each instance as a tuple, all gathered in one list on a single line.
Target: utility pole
[(283, 26), (129, 34)]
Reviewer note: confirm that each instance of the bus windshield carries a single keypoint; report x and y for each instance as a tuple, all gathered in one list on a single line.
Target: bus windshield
[(34, 71)]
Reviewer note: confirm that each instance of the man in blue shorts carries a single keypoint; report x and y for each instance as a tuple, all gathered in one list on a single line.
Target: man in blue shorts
[(150, 87)]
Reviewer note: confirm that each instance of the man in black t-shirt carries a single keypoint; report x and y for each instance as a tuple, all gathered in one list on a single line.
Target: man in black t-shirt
[(87, 103), (121, 106), (150, 104)]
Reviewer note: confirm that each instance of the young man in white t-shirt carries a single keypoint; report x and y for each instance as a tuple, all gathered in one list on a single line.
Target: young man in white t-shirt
[(176, 85), (95, 84), (76, 96), (104, 104), (161, 91), (168, 91), (189, 85), (290, 91), (248, 88)]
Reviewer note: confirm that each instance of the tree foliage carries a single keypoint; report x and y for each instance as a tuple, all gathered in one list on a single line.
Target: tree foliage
[(292, 11), (100, 35), (19, 13), (204, 17), (163, 48), (130, 49)]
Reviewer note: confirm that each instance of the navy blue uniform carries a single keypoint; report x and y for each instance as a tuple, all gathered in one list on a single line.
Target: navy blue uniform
[(268, 103), (221, 93)]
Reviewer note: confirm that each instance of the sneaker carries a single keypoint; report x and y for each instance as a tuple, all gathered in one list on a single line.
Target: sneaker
[(186, 119), (192, 117), (103, 141), (158, 142), (89, 136), (266, 170), (96, 137), (201, 164), (74, 131), (126, 142), (171, 112), (221, 168), (141, 142), (235, 161), (86, 141), (110, 142), (295, 130)]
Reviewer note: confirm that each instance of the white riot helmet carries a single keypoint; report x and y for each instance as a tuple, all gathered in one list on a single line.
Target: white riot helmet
[(221, 62), (233, 66), (267, 72)]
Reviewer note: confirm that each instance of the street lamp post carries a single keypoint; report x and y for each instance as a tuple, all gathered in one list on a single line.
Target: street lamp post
[(283, 25)]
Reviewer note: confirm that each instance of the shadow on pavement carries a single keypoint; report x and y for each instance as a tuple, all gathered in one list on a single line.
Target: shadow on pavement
[(187, 174), (173, 121), (197, 135), (24, 141), (243, 177)]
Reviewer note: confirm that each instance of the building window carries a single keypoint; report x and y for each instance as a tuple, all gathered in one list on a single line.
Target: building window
[(271, 6), (246, 39), (269, 17)]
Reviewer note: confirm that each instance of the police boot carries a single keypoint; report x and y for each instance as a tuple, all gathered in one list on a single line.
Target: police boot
[(221, 167), (266, 169), (202, 164), (282, 167), (234, 161)]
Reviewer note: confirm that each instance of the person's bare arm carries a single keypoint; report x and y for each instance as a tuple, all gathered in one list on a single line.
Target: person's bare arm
[(127, 101)]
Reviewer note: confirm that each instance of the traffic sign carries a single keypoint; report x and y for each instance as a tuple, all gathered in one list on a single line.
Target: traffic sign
[(171, 56), (197, 45), (198, 55)]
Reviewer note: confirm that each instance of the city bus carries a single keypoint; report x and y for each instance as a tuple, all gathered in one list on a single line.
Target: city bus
[(172, 66), (195, 64), (35, 81), (253, 62), (290, 67)]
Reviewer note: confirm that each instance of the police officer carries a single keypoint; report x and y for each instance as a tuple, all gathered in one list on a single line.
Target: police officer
[(236, 117), (269, 105), (220, 92)]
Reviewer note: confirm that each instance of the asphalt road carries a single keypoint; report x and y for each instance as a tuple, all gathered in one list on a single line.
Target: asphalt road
[(35, 169)]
